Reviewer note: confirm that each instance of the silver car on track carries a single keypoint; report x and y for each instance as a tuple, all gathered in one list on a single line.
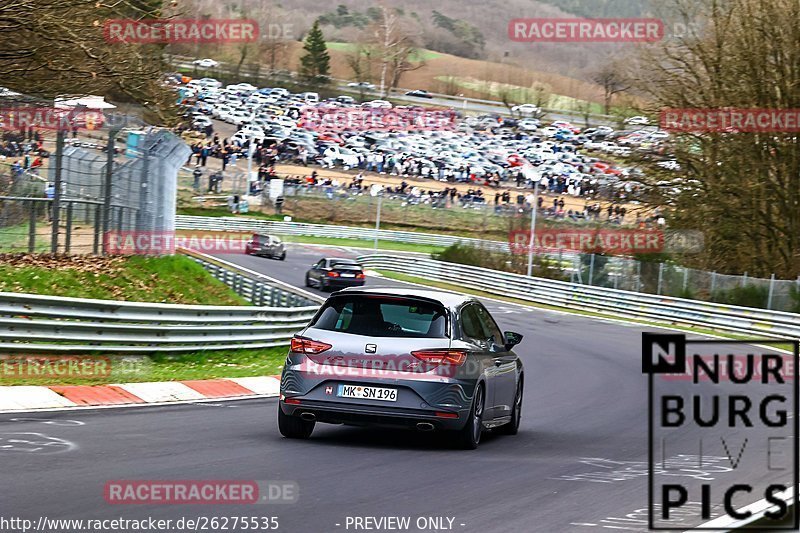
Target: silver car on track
[(429, 360)]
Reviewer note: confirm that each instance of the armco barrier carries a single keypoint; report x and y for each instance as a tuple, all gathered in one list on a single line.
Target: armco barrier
[(256, 287), (625, 304), (245, 224), (48, 324)]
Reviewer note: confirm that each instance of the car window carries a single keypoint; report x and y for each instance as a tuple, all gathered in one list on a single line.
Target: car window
[(489, 325), (380, 316), (321, 264), (470, 323)]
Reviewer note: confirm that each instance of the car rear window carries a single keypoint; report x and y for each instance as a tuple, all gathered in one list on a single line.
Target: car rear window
[(345, 265), (379, 316)]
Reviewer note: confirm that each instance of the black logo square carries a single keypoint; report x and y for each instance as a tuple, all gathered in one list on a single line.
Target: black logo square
[(663, 353)]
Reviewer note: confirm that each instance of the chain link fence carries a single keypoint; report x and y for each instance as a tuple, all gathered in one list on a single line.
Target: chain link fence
[(91, 170), (669, 279)]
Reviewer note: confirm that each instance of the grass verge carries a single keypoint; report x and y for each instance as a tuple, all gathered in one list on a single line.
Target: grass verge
[(361, 243), (157, 367), (170, 279)]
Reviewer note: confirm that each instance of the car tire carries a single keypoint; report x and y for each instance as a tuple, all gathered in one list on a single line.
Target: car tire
[(512, 428), (293, 427), (308, 281), (323, 286), (469, 437), (282, 256)]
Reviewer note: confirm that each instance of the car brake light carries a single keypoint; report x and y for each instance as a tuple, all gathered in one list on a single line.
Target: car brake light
[(441, 357), (292, 401), (360, 276), (442, 414), (308, 346), (333, 274)]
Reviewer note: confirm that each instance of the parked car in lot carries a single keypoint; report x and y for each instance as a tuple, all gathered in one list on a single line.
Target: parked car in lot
[(266, 246), (377, 104), (411, 358), (333, 272)]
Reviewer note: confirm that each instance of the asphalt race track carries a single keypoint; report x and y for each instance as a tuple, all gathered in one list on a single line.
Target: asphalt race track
[(578, 463)]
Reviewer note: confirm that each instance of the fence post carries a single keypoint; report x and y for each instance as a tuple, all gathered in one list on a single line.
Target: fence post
[(32, 228), (660, 277), (591, 270), (744, 280), (771, 290), (685, 278), (68, 237), (98, 218), (56, 205), (713, 283), (106, 219), (638, 276)]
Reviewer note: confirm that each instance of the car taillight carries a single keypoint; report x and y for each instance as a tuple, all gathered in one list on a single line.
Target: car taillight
[(333, 274), (308, 346), (441, 357), (360, 276)]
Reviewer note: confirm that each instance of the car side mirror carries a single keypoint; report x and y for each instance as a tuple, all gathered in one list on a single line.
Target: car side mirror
[(511, 339)]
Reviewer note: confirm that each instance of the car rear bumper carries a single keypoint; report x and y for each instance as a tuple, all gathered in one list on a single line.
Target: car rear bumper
[(372, 415), (444, 402), (347, 282)]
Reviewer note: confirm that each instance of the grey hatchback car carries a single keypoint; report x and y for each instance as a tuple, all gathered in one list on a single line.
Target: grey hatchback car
[(429, 360), (266, 246)]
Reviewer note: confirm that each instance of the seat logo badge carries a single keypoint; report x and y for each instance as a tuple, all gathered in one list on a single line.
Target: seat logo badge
[(370, 348)]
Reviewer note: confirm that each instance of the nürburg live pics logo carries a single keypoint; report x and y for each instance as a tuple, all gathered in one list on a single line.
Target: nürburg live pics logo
[(714, 403)]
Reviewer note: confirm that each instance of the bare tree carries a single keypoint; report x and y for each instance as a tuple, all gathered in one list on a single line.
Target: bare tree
[(52, 47), (741, 189), (394, 45), (613, 80)]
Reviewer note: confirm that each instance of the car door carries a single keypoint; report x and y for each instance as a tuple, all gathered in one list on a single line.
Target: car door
[(504, 364), (271, 247), (473, 333), (316, 270)]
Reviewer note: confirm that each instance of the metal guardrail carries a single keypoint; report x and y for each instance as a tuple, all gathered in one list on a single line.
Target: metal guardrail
[(256, 287), (626, 304), (244, 224), (47, 324)]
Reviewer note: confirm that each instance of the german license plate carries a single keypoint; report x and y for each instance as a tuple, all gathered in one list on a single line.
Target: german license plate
[(367, 393), (348, 275)]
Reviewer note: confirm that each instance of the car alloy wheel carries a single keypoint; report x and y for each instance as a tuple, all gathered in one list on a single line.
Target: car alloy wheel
[(469, 436), (512, 428)]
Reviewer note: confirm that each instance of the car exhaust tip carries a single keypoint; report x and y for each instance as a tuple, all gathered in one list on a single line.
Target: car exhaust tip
[(308, 417), (425, 426)]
